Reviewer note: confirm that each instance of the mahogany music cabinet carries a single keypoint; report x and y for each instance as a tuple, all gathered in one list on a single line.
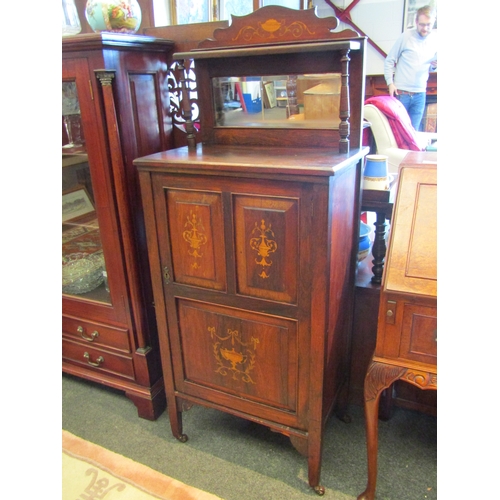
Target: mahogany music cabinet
[(252, 232)]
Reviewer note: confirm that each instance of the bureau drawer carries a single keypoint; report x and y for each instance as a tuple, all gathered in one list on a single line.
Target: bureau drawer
[(98, 359), (96, 334)]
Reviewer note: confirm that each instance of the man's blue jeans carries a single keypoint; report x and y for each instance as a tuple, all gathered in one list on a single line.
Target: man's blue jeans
[(415, 105)]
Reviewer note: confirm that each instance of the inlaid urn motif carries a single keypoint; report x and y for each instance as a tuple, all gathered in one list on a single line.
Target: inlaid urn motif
[(234, 356), (264, 245)]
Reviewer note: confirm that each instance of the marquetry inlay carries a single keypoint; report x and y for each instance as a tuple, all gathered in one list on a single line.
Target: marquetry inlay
[(196, 238), (272, 29), (264, 245), (234, 357)]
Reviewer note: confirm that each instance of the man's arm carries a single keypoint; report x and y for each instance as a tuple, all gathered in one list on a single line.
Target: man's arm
[(390, 65), (434, 63)]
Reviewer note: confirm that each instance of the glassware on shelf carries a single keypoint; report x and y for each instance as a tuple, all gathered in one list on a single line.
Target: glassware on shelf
[(71, 115), (82, 272), (70, 19)]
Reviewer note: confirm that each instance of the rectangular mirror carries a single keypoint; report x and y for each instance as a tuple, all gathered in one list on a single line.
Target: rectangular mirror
[(283, 101)]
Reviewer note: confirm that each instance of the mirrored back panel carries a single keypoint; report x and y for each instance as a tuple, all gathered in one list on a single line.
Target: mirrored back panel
[(278, 101)]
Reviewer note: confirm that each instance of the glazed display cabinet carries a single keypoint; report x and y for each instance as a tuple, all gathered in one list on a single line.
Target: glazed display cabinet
[(114, 108)]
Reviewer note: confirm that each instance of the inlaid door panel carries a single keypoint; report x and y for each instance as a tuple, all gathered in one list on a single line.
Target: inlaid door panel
[(240, 353), (197, 238), (266, 239)]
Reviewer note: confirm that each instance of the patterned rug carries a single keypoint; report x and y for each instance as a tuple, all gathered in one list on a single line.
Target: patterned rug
[(90, 472)]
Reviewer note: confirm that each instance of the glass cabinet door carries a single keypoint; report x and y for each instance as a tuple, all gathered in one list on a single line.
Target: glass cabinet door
[(84, 274)]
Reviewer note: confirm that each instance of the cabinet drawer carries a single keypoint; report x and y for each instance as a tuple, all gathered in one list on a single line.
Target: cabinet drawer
[(96, 334), (98, 359)]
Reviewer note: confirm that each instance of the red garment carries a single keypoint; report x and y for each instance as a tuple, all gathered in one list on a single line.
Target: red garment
[(399, 120)]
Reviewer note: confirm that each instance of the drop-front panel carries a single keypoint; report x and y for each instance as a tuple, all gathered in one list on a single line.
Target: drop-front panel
[(253, 254)]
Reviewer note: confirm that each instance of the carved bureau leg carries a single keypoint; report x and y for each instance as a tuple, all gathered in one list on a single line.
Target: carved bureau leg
[(378, 378)]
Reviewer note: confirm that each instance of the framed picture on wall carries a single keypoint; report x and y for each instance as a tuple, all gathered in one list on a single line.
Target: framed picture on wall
[(411, 7), (270, 95)]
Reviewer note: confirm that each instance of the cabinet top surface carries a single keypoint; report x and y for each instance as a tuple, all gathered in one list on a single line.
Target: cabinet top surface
[(89, 41), (256, 159), (320, 46), (419, 159)]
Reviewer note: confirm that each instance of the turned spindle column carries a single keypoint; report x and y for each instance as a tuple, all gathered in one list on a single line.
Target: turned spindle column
[(345, 110)]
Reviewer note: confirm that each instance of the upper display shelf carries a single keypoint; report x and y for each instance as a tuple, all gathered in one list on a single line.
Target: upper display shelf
[(278, 49), (277, 76)]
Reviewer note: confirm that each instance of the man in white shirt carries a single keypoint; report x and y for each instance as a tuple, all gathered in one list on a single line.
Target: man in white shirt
[(407, 66)]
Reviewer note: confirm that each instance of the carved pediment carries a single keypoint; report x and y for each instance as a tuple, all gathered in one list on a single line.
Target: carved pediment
[(274, 25)]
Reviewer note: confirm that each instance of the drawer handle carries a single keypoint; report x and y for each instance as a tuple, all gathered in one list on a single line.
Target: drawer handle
[(93, 335), (98, 362), (390, 314)]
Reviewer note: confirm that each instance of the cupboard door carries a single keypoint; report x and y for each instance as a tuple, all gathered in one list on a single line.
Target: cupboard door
[(195, 235), (250, 356), (93, 271)]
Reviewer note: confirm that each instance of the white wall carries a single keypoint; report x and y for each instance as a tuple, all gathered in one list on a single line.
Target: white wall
[(380, 20)]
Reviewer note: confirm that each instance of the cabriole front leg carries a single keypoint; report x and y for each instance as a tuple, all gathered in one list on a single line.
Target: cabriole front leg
[(378, 378)]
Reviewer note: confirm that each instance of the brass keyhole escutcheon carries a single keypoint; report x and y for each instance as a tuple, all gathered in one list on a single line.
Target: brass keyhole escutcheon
[(92, 337), (166, 275), (98, 361)]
